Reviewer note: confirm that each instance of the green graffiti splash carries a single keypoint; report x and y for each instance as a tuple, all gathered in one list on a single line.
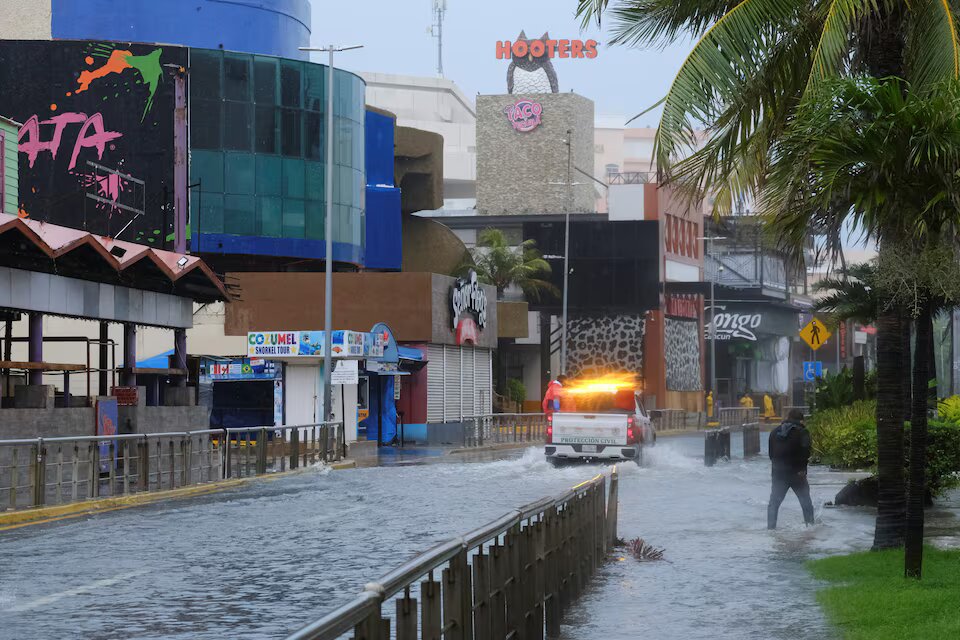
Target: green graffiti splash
[(148, 67)]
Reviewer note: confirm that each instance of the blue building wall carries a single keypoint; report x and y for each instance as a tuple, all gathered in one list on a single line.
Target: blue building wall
[(383, 239), (271, 27)]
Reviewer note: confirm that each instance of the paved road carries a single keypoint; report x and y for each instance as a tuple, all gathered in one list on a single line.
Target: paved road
[(259, 561)]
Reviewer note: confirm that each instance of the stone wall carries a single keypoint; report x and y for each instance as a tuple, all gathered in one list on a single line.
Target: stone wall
[(77, 421), (515, 169)]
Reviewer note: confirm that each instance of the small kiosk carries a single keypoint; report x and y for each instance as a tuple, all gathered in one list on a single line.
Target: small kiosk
[(301, 355)]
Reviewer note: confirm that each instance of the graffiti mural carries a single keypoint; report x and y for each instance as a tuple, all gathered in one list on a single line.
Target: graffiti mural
[(682, 351), (96, 137)]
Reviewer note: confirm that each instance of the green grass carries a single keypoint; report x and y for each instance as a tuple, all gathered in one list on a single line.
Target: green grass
[(869, 599)]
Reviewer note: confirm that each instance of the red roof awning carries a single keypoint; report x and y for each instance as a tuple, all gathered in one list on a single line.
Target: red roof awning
[(56, 241)]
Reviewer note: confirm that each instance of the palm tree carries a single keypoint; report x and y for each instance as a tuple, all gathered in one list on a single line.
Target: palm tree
[(501, 265), (886, 157), (755, 63), (851, 296)]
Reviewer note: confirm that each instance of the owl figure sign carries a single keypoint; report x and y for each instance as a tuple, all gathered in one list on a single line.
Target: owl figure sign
[(531, 69)]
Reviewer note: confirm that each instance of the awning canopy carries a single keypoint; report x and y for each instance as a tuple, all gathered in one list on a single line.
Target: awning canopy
[(39, 246)]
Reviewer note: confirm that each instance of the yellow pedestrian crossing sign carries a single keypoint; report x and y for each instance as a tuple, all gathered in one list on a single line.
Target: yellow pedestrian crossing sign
[(815, 334)]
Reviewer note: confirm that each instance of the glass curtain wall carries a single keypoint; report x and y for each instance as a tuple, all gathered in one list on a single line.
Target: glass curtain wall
[(258, 146)]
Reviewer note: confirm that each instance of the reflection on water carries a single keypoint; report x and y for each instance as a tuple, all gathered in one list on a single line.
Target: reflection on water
[(726, 576), (260, 561)]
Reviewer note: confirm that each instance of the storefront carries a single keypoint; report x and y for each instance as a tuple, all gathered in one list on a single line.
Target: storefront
[(445, 329), (300, 356), (241, 392), (754, 342)]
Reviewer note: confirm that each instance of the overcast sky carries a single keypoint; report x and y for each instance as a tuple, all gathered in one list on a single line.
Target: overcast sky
[(622, 82)]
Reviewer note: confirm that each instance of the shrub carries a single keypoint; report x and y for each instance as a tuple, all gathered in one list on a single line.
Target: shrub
[(835, 390), (845, 437), (949, 409), (943, 455), (516, 391)]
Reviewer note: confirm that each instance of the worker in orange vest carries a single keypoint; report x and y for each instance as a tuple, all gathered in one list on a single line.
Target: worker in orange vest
[(551, 399)]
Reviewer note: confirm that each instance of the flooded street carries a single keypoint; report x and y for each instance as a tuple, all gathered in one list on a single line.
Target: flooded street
[(260, 561)]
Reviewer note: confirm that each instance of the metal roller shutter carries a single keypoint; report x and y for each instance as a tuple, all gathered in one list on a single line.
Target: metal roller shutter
[(483, 377), (435, 383), (453, 375), (468, 395)]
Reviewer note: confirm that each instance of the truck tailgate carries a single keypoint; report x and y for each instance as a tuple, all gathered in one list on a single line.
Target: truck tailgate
[(590, 428)]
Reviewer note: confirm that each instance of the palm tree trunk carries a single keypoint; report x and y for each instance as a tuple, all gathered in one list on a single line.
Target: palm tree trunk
[(906, 344), (883, 44), (891, 496), (913, 556)]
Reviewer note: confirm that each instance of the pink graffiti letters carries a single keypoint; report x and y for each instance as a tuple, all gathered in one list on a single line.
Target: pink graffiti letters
[(30, 142)]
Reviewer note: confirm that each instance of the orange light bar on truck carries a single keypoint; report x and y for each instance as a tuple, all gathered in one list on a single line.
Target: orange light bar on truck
[(610, 383)]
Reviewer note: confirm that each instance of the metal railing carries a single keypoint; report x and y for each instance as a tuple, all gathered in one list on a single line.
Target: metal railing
[(51, 471), (499, 428), (737, 417), (676, 419), (511, 578)]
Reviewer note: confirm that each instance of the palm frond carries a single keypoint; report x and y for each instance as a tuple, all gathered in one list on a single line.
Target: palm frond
[(933, 45)]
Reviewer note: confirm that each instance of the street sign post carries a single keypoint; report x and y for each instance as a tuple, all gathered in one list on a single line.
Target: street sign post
[(815, 334), (812, 370)]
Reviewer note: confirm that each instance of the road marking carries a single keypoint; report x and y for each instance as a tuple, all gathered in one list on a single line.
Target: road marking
[(76, 591)]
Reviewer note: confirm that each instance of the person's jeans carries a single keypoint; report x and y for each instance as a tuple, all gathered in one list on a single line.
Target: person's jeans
[(783, 481)]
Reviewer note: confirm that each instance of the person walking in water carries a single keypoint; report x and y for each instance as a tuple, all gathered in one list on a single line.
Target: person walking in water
[(789, 454), (551, 399)]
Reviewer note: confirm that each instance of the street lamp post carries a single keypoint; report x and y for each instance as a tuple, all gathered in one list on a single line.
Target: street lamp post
[(328, 234), (713, 318)]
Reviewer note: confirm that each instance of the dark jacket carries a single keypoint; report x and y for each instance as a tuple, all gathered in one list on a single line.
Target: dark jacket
[(790, 447)]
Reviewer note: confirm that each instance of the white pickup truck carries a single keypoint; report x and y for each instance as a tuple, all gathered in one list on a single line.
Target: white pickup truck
[(606, 433)]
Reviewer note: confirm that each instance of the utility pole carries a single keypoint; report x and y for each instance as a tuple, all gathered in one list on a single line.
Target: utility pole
[(328, 234), (713, 317)]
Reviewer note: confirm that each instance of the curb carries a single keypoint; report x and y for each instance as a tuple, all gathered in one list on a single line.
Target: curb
[(503, 446), (41, 515)]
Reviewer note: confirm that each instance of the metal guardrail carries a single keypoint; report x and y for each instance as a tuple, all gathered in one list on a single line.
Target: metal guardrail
[(512, 578), (498, 428), (46, 471), (676, 419), (737, 417)]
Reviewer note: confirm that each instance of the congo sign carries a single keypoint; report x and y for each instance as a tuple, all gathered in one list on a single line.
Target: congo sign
[(524, 115)]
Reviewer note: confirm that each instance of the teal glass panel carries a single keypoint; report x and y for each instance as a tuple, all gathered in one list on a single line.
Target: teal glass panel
[(315, 219), (206, 167), (293, 218), (237, 126), (239, 215), (313, 179), (211, 212), (205, 123), (269, 181), (313, 141), (291, 133), (270, 212), (265, 85), (343, 141), (315, 87), (345, 177), (266, 129), (293, 178), (240, 172), (291, 88), (205, 73), (237, 83)]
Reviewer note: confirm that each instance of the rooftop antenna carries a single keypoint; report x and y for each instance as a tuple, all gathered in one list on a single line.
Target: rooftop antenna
[(436, 30)]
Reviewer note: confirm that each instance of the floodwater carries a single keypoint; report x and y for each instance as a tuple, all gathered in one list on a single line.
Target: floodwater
[(260, 561)]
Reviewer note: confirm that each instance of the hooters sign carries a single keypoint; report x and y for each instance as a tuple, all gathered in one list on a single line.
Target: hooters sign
[(524, 115)]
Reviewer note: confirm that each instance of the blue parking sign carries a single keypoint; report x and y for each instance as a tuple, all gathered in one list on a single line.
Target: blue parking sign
[(812, 369)]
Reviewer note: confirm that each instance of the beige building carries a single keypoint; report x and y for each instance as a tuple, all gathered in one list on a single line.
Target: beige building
[(437, 105)]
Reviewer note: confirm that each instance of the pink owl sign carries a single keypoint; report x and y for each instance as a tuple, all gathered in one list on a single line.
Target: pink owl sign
[(524, 115)]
